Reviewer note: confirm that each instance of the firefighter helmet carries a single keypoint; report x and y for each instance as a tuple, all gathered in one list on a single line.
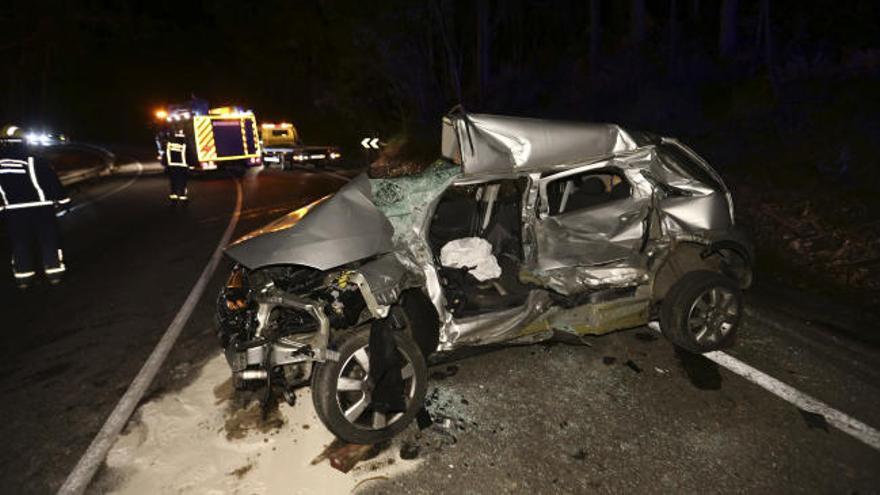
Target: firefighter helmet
[(11, 132)]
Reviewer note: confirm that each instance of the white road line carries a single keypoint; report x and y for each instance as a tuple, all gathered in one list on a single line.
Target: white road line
[(140, 167), (839, 420), (860, 431), (78, 479)]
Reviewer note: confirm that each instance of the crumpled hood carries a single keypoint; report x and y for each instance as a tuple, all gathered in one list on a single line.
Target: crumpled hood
[(328, 233)]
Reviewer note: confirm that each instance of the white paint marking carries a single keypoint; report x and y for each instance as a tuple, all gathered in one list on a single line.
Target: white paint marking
[(140, 169), (78, 479), (847, 424), (839, 420)]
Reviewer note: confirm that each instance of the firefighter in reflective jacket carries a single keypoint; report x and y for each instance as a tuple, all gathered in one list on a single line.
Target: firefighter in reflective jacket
[(30, 194), (178, 171)]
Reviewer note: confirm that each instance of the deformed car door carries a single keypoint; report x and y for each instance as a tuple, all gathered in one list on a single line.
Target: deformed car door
[(589, 216)]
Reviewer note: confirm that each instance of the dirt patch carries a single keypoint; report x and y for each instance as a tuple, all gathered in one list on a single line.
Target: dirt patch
[(242, 471), (224, 392), (253, 418)]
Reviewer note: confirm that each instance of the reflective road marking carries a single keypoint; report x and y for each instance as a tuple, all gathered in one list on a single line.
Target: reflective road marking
[(843, 422), (839, 420), (85, 469)]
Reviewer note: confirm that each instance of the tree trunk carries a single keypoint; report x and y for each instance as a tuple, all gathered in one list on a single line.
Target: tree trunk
[(695, 10), (451, 59), (484, 44), (727, 31), (673, 36), (767, 35), (637, 21), (595, 34)]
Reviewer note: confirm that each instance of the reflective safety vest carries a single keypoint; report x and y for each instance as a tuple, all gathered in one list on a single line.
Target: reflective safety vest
[(175, 154), (28, 182)]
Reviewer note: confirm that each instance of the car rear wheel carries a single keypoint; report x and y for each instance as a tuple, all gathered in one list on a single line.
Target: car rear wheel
[(702, 312), (341, 390)]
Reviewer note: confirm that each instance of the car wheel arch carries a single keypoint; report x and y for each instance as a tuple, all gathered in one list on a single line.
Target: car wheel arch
[(689, 256)]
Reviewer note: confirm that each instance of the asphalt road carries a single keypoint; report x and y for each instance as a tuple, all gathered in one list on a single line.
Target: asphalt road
[(69, 352), (625, 413)]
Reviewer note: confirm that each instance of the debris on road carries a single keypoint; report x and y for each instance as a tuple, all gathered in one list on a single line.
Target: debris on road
[(252, 417), (409, 451), (344, 456), (633, 366), (814, 421), (450, 371)]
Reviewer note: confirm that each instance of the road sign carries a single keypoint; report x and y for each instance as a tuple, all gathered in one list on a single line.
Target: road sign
[(370, 143)]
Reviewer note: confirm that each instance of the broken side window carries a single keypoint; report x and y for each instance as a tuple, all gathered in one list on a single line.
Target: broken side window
[(587, 190)]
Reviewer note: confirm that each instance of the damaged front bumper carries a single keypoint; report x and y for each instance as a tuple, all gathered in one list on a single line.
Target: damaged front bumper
[(255, 358)]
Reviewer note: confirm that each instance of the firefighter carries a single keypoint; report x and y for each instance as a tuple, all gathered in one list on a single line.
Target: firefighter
[(178, 170), (30, 194)]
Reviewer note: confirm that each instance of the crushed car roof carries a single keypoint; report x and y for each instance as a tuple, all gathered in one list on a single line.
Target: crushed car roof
[(494, 144)]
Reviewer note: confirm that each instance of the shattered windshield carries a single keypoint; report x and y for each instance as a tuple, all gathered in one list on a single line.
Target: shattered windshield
[(404, 199)]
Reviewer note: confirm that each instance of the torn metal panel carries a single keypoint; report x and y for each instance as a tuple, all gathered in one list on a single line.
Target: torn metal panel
[(591, 237), (698, 213), (487, 144), (389, 275), (498, 326), (343, 228), (571, 280)]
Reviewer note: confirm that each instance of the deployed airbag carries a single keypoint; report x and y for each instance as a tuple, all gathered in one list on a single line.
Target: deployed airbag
[(474, 253)]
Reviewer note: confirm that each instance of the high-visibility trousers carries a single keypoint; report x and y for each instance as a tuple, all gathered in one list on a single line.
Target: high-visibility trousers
[(30, 228)]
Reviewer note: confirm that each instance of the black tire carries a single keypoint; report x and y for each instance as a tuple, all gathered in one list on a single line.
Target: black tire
[(702, 312), (329, 407)]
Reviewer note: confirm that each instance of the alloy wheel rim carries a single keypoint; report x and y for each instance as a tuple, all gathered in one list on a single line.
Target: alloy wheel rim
[(353, 390), (712, 315)]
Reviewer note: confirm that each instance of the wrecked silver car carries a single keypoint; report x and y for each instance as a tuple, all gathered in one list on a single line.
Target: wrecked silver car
[(526, 227)]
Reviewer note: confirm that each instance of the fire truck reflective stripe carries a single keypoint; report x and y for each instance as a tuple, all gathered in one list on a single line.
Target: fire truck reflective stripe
[(205, 145), (10, 163), (256, 136), (244, 140), (3, 196), (33, 173), (203, 130), (21, 275), (58, 269), (63, 201), (60, 255), (12, 171), (32, 204)]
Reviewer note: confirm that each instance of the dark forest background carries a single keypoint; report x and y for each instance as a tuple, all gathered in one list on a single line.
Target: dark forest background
[(781, 95)]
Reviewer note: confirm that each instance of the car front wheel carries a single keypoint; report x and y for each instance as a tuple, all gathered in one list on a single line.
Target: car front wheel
[(342, 389), (702, 312)]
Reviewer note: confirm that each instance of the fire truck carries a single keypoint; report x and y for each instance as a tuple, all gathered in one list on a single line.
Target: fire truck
[(226, 137)]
